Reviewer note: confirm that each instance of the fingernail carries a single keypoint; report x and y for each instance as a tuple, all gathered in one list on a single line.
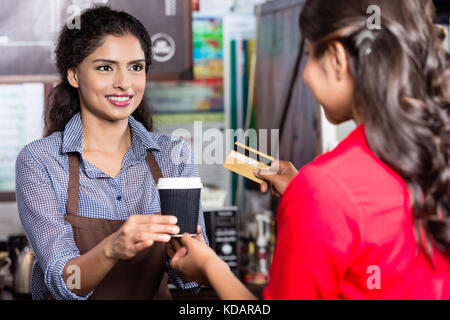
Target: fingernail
[(173, 220), (175, 229), (165, 237)]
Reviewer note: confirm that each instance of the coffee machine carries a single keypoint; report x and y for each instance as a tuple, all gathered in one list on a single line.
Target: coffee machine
[(222, 231)]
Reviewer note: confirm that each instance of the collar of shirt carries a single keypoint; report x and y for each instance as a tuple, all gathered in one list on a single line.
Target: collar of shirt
[(141, 141)]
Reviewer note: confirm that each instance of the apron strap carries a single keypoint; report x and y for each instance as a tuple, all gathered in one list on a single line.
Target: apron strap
[(154, 167), (73, 189)]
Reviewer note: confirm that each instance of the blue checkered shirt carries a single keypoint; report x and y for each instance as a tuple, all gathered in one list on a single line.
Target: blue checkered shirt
[(42, 174)]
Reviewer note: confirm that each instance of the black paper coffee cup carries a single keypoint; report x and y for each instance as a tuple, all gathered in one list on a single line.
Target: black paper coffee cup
[(180, 197)]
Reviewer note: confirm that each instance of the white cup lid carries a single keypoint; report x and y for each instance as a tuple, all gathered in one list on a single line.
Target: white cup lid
[(180, 183)]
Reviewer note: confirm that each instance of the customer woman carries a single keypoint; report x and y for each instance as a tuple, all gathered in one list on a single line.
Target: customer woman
[(370, 219), (86, 193)]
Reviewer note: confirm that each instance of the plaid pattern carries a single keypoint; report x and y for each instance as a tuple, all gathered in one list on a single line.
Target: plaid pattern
[(42, 174)]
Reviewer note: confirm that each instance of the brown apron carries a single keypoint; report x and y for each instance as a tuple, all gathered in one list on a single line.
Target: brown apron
[(142, 277)]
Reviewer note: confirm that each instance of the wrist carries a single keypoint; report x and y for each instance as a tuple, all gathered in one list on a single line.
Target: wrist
[(214, 266), (107, 248)]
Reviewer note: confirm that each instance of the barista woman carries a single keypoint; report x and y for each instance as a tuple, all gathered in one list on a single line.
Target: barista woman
[(86, 193)]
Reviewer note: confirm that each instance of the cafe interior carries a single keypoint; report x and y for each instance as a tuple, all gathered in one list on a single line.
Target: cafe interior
[(221, 68)]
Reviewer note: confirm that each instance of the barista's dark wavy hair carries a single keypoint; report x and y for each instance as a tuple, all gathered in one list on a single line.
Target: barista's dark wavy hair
[(402, 78), (74, 45)]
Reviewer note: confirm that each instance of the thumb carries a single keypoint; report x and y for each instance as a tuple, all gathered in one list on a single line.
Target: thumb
[(176, 259), (180, 253), (265, 174), (186, 240)]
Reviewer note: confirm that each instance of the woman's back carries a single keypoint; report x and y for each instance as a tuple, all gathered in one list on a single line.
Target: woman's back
[(345, 231)]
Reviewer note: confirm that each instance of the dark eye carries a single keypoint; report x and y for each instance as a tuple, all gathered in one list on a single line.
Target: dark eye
[(137, 67), (104, 68)]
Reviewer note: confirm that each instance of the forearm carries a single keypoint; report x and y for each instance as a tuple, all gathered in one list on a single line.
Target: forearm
[(224, 282), (93, 266)]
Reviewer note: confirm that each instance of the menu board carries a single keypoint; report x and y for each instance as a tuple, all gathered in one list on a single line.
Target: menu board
[(21, 122), (207, 34)]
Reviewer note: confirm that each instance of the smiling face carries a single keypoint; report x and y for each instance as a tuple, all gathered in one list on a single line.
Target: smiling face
[(330, 80), (111, 81)]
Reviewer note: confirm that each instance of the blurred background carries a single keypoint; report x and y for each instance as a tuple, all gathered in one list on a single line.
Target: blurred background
[(219, 64)]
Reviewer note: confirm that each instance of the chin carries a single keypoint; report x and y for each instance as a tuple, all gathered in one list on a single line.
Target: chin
[(333, 120), (116, 115), (336, 119)]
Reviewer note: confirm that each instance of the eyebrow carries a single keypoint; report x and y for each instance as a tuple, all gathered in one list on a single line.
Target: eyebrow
[(115, 62)]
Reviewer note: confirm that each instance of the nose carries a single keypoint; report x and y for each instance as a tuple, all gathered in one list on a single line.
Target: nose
[(122, 80)]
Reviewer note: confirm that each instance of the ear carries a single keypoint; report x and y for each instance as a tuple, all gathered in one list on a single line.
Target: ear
[(339, 61), (441, 31), (72, 77)]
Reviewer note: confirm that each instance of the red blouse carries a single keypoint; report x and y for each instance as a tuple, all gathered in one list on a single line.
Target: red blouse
[(345, 231)]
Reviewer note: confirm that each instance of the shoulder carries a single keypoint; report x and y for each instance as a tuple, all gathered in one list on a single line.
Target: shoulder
[(351, 156), (334, 181), (42, 151), (334, 173), (315, 189), (175, 155), (355, 164), (174, 148), (167, 142), (157, 140)]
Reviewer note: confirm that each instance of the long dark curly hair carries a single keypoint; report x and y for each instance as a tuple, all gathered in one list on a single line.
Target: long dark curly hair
[(402, 77), (74, 45)]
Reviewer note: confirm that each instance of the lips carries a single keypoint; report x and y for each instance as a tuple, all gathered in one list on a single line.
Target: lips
[(120, 100)]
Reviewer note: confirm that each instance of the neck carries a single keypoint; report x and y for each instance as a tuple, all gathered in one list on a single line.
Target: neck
[(357, 118), (101, 135)]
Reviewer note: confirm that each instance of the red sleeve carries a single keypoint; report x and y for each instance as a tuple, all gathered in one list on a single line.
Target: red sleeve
[(317, 235)]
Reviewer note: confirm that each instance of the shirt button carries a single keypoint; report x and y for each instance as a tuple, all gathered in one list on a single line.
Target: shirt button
[(119, 198)]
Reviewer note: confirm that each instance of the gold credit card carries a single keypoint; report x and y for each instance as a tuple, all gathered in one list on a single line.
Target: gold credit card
[(244, 160)]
